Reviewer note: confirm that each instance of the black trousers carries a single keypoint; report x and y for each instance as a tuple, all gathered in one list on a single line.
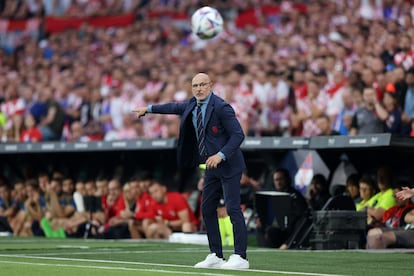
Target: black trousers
[(214, 185)]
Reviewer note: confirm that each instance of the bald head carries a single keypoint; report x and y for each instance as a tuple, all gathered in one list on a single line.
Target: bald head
[(201, 86), (201, 77)]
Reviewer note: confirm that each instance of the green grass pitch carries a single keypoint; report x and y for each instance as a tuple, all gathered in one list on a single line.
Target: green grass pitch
[(76, 257)]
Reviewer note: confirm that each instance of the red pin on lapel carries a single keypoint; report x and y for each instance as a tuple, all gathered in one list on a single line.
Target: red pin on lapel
[(214, 129)]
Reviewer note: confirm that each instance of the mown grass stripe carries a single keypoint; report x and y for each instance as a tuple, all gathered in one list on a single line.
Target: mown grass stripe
[(160, 264)]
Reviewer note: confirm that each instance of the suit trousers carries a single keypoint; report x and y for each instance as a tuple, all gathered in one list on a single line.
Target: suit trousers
[(214, 185)]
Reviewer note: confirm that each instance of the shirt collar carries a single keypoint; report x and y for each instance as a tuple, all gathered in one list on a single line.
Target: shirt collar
[(205, 101)]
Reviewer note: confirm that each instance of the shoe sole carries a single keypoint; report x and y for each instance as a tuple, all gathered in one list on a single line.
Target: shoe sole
[(214, 266)]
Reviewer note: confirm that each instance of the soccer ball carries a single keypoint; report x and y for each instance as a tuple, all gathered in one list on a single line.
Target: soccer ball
[(206, 22)]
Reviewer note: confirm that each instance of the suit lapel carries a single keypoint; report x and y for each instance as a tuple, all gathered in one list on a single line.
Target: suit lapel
[(209, 110), (190, 108)]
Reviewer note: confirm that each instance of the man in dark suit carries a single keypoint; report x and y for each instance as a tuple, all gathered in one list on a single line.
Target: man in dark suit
[(210, 133)]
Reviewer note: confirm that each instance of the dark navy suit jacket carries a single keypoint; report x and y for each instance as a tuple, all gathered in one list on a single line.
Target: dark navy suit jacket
[(222, 133)]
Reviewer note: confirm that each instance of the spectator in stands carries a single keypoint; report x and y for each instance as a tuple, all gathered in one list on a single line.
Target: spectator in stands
[(389, 112), (169, 212), (38, 108), (395, 218), (3, 132), (343, 120), (275, 236), (52, 125), (334, 102), (390, 50), (172, 126), (67, 58), (7, 9), (308, 109), (323, 122), (31, 132), (13, 108), (408, 108), (358, 100), (275, 117), (128, 130), (71, 103), (365, 120), (77, 133)]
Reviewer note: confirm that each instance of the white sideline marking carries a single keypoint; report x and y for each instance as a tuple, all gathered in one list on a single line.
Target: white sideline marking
[(114, 250), (158, 264), (73, 246), (113, 268)]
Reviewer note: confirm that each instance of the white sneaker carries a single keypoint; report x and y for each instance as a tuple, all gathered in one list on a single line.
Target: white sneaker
[(211, 261), (236, 262)]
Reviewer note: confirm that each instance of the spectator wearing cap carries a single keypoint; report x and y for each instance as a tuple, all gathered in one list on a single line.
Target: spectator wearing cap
[(388, 112)]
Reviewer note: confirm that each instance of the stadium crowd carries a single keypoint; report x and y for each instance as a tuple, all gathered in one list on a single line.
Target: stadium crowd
[(332, 68), (335, 67)]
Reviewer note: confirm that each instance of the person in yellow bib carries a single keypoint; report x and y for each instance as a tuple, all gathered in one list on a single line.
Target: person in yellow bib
[(384, 199), (367, 189)]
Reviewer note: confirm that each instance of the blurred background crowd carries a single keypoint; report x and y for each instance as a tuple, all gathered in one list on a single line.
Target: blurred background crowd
[(289, 68)]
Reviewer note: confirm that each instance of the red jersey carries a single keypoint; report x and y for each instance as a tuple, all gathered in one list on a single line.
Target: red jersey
[(394, 217), (300, 91), (169, 210), (115, 209), (31, 135), (143, 206)]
